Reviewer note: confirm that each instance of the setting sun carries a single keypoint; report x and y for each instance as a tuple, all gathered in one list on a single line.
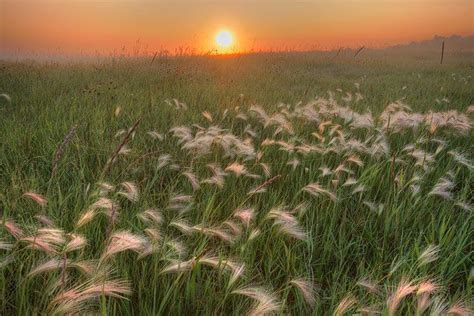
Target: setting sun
[(224, 39)]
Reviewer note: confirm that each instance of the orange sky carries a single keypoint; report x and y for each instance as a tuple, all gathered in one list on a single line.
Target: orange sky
[(89, 26)]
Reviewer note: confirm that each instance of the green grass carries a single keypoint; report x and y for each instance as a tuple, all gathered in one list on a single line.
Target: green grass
[(345, 240)]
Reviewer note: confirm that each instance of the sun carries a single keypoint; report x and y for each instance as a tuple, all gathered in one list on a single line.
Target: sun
[(224, 39)]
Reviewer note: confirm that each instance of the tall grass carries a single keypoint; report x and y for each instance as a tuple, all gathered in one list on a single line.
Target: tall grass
[(279, 183)]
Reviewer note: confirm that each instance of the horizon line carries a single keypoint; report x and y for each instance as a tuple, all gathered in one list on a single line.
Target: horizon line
[(189, 51)]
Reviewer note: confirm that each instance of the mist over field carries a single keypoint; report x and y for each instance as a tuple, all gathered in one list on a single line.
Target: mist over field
[(455, 45)]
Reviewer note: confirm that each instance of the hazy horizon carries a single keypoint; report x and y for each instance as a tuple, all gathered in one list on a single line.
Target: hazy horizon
[(423, 46)]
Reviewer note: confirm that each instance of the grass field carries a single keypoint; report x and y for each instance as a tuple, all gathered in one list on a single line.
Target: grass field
[(269, 183)]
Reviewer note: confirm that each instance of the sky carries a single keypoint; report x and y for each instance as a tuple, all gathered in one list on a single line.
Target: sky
[(105, 26)]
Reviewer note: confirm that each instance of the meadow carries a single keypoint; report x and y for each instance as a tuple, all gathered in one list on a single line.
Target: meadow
[(279, 183)]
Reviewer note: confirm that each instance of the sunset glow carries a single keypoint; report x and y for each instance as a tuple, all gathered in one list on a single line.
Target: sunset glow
[(105, 26)]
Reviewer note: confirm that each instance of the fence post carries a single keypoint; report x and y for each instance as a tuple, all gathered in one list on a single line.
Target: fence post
[(442, 53)]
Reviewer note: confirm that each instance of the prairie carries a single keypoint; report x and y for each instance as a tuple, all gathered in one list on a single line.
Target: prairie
[(280, 183)]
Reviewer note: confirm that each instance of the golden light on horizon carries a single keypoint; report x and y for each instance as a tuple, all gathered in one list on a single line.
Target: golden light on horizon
[(224, 39)]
